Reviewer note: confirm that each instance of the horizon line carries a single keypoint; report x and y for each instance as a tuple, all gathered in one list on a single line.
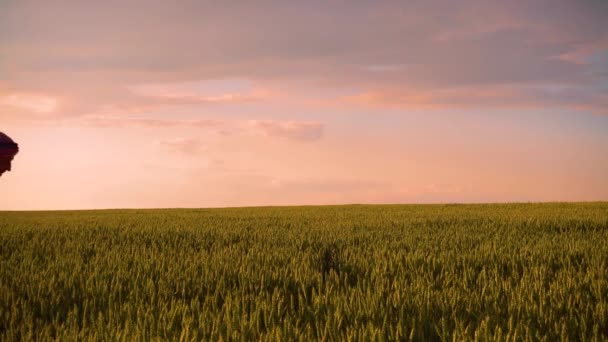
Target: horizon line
[(315, 205)]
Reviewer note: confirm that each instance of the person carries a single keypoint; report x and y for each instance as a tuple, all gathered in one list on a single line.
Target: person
[(8, 150)]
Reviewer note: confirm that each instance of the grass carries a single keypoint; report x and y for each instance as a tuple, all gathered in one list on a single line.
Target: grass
[(398, 272)]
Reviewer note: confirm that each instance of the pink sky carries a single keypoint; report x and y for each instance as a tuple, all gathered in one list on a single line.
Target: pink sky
[(134, 104)]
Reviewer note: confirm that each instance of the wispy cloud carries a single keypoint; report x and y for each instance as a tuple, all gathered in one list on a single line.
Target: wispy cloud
[(115, 121), (201, 92), (30, 102), (293, 130), (188, 146), (288, 129), (489, 96), (581, 53)]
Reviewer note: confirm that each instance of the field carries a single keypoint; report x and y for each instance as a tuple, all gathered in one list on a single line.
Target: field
[(402, 272)]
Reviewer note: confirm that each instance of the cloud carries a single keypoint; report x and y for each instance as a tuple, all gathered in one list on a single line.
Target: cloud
[(273, 40), (201, 92), (293, 130), (116, 121), (582, 53), (36, 103), (442, 189), (188, 146), (330, 185), (193, 55), (497, 96)]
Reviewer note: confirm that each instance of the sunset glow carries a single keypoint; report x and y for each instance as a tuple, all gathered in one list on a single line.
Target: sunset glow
[(124, 104)]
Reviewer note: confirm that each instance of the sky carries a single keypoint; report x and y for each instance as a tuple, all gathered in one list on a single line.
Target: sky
[(147, 104)]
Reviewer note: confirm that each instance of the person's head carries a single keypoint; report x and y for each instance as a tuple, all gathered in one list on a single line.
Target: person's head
[(6, 157), (8, 150)]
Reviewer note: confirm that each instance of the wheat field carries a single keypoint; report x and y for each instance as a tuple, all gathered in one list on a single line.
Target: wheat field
[(383, 272)]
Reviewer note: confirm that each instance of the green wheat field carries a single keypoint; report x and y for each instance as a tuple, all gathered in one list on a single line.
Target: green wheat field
[(384, 272)]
